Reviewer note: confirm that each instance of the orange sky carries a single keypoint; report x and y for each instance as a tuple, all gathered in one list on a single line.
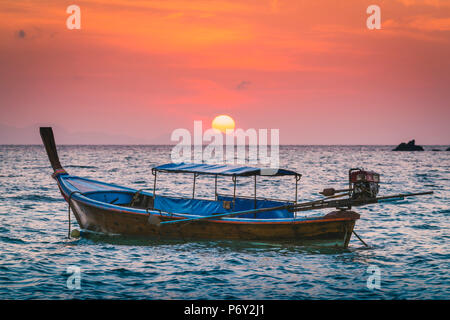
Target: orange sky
[(309, 68)]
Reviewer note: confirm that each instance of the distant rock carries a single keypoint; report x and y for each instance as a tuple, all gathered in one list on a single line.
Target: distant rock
[(410, 146)]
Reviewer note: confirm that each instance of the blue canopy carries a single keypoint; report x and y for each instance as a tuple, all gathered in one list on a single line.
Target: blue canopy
[(223, 169)]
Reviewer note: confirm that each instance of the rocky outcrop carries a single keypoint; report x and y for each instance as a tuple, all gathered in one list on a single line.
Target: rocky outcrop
[(410, 146)]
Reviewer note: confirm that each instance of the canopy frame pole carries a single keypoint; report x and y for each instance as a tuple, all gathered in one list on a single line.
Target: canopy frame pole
[(297, 179), (215, 187), (154, 183), (255, 194), (234, 190), (193, 189)]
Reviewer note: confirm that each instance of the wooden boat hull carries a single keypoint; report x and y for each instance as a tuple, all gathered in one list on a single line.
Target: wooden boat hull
[(111, 209), (331, 230)]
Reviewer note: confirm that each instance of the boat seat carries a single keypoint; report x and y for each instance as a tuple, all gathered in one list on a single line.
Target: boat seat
[(142, 201)]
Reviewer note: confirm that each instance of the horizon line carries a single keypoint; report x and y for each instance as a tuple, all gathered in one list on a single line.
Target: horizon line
[(165, 144)]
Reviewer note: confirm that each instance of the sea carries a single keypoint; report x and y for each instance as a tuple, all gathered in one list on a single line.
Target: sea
[(408, 240)]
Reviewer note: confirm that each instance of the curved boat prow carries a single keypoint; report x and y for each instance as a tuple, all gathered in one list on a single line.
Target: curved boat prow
[(49, 143)]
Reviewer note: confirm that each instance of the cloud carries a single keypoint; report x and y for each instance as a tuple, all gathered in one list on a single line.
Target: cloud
[(431, 24), (426, 24), (243, 85), (432, 3), (21, 34)]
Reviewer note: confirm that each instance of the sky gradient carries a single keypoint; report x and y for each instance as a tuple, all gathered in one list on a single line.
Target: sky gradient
[(312, 69)]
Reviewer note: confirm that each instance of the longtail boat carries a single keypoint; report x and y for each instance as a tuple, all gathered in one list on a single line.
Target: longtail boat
[(112, 209)]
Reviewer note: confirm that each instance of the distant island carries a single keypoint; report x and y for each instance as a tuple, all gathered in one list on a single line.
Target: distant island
[(410, 146)]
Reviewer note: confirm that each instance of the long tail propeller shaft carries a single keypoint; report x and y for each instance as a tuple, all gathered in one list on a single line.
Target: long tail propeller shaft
[(312, 205), (347, 203)]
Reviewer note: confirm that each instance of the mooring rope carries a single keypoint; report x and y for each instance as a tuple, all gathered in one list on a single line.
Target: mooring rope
[(359, 238), (68, 201)]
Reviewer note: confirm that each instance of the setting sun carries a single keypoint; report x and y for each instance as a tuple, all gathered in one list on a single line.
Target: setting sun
[(222, 123)]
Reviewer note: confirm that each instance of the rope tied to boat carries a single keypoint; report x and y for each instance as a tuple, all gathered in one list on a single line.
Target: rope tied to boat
[(359, 238), (68, 213)]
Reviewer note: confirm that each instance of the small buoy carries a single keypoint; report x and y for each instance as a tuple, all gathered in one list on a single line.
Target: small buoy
[(75, 233)]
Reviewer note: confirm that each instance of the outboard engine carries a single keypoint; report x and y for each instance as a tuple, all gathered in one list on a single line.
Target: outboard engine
[(363, 184)]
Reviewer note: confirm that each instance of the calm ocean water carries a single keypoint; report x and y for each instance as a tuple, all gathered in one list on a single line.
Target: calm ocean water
[(409, 240)]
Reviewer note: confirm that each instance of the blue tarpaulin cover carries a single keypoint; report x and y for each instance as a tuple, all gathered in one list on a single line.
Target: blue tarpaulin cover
[(190, 206), (208, 207), (222, 169)]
